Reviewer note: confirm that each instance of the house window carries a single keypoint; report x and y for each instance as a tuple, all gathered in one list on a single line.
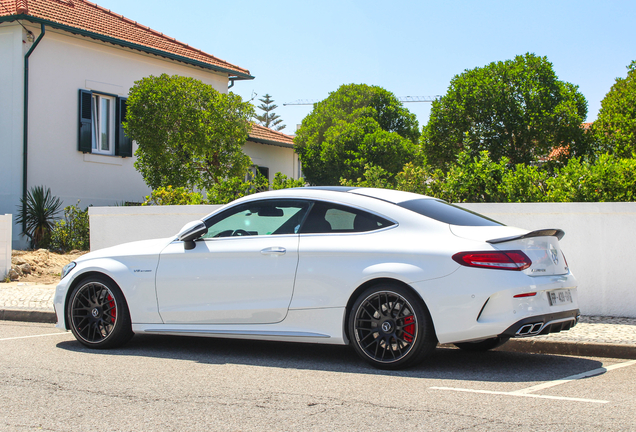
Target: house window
[(103, 124), (264, 171), (100, 124)]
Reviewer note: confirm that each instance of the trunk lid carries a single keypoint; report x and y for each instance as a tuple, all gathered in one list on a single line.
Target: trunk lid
[(541, 246)]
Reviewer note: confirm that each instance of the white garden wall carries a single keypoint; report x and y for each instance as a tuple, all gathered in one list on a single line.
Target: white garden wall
[(5, 245), (111, 226), (599, 240)]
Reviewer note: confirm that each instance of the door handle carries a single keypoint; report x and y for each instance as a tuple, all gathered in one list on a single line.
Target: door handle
[(275, 250)]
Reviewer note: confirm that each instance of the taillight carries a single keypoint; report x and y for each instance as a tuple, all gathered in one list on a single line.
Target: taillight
[(498, 260)]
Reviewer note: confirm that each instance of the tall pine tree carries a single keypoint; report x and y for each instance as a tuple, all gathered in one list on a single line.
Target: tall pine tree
[(269, 119)]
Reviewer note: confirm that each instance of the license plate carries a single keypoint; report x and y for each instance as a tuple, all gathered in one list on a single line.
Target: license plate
[(559, 297)]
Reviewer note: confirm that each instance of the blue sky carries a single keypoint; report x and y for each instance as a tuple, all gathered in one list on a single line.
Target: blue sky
[(304, 49)]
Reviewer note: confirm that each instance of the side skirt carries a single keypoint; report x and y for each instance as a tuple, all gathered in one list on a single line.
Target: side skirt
[(301, 325)]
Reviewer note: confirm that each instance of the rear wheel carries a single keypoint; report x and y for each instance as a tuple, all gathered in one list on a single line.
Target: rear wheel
[(482, 345), (98, 314), (391, 328)]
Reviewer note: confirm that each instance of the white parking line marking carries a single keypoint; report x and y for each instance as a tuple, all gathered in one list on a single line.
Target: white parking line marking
[(527, 392), (587, 374), (519, 394), (33, 336)]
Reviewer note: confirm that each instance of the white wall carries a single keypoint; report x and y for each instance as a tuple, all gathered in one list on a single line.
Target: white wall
[(599, 240), (5, 245), (277, 159), (110, 226), (598, 243), (11, 109)]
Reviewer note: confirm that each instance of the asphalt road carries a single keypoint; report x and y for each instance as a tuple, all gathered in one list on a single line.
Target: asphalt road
[(50, 382)]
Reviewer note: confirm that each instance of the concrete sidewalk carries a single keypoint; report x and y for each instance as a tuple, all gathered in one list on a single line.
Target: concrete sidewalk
[(593, 336)]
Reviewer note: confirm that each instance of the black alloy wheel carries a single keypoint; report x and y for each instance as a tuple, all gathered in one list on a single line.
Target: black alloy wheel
[(390, 328), (98, 314), (482, 345)]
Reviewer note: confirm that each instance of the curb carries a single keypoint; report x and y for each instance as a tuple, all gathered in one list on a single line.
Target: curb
[(43, 316), (581, 349)]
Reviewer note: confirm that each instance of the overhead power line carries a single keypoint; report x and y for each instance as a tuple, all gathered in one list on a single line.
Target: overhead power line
[(405, 99)]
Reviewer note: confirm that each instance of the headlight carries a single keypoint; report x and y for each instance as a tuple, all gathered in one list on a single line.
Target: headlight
[(67, 268)]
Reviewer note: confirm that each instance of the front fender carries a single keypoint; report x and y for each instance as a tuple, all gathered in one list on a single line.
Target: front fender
[(135, 279)]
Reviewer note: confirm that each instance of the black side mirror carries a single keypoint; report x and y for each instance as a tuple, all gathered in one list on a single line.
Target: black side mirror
[(192, 233)]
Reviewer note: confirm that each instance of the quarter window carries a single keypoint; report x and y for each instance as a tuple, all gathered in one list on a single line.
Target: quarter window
[(333, 218)]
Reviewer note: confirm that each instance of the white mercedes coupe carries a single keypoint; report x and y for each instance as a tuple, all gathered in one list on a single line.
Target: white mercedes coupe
[(391, 273)]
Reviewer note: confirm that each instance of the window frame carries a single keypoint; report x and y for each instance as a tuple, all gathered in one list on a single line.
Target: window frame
[(98, 126), (119, 143), (227, 213), (356, 210)]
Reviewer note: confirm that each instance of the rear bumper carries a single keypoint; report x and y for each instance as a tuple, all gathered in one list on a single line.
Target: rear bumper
[(543, 324)]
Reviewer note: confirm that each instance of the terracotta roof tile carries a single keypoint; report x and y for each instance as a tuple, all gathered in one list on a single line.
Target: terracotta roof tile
[(84, 15), (261, 133)]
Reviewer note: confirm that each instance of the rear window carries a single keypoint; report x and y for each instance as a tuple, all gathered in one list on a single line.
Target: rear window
[(447, 213)]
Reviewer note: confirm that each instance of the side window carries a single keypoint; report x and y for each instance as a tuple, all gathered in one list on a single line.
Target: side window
[(268, 217), (333, 218), (100, 124)]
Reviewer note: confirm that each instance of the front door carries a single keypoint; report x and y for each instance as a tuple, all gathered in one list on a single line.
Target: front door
[(241, 272)]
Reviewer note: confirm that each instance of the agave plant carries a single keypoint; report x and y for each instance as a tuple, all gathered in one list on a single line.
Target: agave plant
[(37, 215)]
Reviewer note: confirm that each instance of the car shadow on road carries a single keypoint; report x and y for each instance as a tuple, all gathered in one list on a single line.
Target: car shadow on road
[(444, 363)]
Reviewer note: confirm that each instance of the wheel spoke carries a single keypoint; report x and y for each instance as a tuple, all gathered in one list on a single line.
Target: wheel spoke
[(385, 327), (93, 312)]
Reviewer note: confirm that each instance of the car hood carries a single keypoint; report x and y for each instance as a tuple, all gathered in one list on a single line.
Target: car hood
[(143, 247)]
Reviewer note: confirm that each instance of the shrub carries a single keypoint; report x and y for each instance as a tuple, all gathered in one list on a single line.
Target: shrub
[(72, 232), (524, 183), (38, 214), (609, 179), (173, 196), (374, 176), (281, 181)]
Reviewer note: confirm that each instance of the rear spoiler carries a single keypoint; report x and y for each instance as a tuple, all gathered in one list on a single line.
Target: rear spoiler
[(538, 233)]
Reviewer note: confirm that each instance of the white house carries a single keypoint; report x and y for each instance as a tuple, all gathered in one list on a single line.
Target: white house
[(66, 67)]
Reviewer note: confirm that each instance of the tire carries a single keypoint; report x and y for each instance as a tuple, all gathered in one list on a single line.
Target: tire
[(390, 327), (482, 345), (98, 314)]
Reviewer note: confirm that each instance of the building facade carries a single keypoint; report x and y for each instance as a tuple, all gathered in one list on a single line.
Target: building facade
[(66, 67)]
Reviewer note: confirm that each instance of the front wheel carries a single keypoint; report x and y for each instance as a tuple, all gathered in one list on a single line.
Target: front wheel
[(482, 345), (98, 314), (391, 328)]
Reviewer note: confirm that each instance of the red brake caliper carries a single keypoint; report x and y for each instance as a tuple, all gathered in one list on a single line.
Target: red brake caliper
[(409, 328), (113, 309)]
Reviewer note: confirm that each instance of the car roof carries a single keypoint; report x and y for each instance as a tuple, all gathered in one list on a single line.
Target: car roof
[(343, 194), (390, 195)]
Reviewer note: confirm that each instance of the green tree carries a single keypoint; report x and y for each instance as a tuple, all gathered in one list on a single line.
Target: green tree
[(356, 126), (615, 127), (188, 134), (269, 119), (516, 109)]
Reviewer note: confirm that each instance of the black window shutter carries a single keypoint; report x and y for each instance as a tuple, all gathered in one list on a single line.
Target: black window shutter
[(123, 144), (85, 140)]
